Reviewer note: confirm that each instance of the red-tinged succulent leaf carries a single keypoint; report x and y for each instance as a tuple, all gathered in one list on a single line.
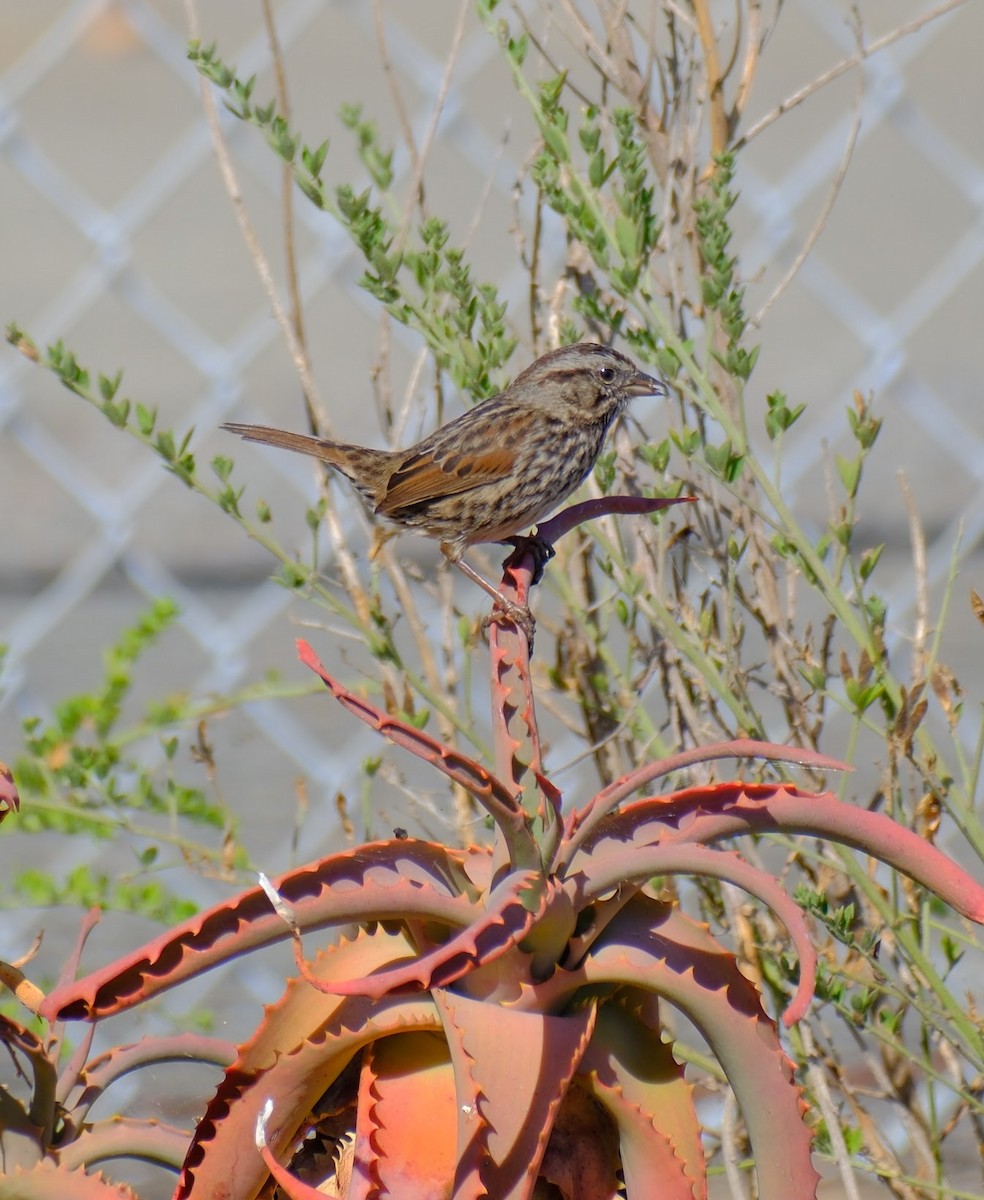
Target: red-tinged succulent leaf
[(512, 1070), (652, 945), (48, 1181), (407, 1124), (738, 808), (502, 920), (494, 796), (515, 734), (26, 1126), (303, 1011), (104, 1070), (22, 1144), (126, 1137), (582, 823), (604, 506), (633, 1073), (600, 875), (293, 1060), (398, 879), (290, 1187)]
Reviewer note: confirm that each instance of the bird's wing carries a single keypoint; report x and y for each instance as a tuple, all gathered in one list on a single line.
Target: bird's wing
[(429, 476)]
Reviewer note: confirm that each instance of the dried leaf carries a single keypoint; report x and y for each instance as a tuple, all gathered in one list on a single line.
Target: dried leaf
[(928, 814), (947, 691)]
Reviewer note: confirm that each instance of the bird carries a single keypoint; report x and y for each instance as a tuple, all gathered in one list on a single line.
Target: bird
[(500, 467)]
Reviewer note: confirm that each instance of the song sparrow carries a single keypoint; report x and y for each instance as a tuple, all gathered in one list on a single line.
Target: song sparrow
[(499, 468)]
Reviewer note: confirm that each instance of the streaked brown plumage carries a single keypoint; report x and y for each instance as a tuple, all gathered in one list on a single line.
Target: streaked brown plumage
[(500, 467)]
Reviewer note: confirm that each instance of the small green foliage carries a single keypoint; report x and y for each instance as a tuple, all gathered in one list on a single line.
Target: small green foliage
[(657, 457), (687, 441), (852, 1136), (952, 951), (222, 467), (293, 575), (109, 386), (87, 889), (418, 719), (849, 472), (146, 419), (862, 695), (736, 548), (724, 461), (890, 1021), (864, 426), (779, 416), (604, 470), (316, 514), (81, 773), (208, 63), (228, 497), (869, 560), (378, 162), (720, 291), (864, 1000), (238, 99)]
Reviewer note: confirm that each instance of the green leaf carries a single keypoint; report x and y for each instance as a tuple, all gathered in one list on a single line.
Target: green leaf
[(877, 609), (657, 457), (849, 471), (222, 467), (869, 560), (556, 142), (686, 441), (109, 387), (626, 237), (146, 419)]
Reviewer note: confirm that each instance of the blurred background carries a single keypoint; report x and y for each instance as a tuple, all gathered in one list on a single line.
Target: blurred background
[(119, 238)]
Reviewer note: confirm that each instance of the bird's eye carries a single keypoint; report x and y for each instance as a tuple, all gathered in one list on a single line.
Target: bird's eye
[(608, 374)]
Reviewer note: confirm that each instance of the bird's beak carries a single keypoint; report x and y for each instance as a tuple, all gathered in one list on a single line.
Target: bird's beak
[(645, 385)]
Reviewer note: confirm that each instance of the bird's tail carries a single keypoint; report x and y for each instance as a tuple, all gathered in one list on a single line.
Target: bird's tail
[(300, 442)]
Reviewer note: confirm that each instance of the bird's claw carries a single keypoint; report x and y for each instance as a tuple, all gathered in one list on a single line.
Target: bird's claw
[(539, 548), (506, 612)]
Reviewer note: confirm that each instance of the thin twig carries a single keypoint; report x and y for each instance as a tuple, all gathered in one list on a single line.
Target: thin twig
[(344, 557), (753, 48), (317, 418), (231, 183), (835, 72), (487, 188), (821, 222), (536, 245), (591, 43), (537, 43), (825, 1102), (735, 46), (921, 602), (715, 81), (729, 1147), (406, 128), (418, 158)]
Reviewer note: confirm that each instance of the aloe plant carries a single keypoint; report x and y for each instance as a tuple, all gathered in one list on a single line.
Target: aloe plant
[(494, 1026)]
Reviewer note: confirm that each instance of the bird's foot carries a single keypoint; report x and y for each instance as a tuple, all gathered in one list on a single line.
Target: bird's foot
[(508, 612)]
